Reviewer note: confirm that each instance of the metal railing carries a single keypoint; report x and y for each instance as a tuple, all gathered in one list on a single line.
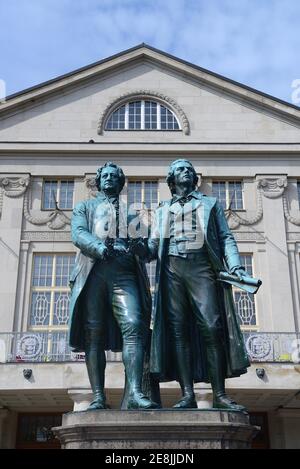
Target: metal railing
[(274, 347), (43, 347)]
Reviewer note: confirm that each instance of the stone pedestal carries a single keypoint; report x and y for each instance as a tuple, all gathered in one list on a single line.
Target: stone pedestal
[(155, 429)]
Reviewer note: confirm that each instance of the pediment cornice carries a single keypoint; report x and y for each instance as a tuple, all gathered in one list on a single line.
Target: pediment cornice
[(247, 95)]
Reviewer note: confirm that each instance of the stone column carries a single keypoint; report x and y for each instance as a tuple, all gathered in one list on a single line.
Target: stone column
[(12, 190), (278, 281)]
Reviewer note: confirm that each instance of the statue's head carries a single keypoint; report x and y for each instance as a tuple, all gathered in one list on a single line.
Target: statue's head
[(181, 172), (110, 178)]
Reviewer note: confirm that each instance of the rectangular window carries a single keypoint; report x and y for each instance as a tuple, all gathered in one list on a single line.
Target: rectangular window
[(244, 301), (298, 188), (145, 195), (58, 192), (143, 192), (229, 194), (50, 291)]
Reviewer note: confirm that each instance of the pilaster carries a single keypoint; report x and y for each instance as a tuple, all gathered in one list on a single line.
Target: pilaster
[(13, 188), (278, 284)]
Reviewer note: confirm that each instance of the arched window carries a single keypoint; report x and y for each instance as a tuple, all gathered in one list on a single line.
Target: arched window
[(142, 115)]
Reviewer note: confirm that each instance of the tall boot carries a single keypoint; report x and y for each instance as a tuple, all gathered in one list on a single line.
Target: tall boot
[(133, 359), (96, 362), (184, 370), (216, 370)]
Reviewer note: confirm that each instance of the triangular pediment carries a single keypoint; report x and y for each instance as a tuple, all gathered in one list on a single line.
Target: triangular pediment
[(208, 102)]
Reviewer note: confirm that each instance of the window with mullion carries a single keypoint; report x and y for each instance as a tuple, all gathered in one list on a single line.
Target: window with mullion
[(229, 194), (142, 192), (143, 195), (134, 116), (244, 301), (50, 290), (168, 120), (150, 115), (50, 194), (60, 192), (142, 115)]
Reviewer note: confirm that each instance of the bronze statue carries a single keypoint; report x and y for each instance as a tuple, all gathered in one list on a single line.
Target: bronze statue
[(196, 336), (110, 300)]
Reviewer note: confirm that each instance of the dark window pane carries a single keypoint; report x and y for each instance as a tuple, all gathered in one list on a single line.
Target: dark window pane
[(49, 194), (219, 191), (235, 195), (117, 120), (42, 270), (37, 428), (66, 195)]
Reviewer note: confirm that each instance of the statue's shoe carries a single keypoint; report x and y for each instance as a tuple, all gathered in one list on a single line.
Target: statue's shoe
[(140, 401), (186, 402), (225, 402), (98, 404)]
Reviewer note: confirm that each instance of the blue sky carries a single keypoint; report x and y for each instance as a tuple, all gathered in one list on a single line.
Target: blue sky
[(255, 42)]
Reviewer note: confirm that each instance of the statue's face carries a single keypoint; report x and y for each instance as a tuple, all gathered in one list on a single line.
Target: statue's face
[(110, 181), (183, 174)]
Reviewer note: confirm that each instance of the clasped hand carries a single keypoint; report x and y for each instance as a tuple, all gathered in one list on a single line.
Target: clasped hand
[(137, 246), (104, 252)]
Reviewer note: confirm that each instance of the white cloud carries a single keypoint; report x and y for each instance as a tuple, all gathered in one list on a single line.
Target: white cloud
[(255, 42)]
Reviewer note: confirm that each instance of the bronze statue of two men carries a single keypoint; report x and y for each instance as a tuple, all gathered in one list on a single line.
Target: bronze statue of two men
[(196, 336)]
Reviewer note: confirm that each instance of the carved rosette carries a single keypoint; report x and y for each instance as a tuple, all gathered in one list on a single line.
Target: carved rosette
[(273, 187), (145, 94), (12, 186)]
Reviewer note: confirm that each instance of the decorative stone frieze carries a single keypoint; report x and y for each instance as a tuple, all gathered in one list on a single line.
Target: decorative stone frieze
[(288, 216), (249, 236), (145, 94), (235, 219), (12, 186), (273, 187), (1, 200), (90, 183), (293, 237), (51, 236), (55, 220)]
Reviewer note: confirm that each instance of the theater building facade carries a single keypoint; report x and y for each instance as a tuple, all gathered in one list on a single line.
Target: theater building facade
[(141, 109)]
